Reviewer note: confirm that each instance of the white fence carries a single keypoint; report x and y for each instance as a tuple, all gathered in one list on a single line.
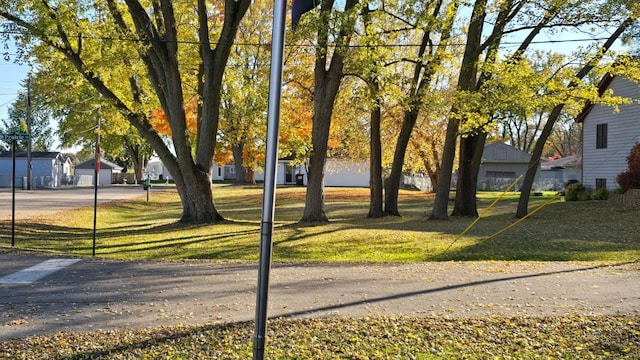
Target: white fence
[(541, 183)]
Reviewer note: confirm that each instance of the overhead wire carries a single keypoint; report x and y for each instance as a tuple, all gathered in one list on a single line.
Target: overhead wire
[(257, 44)]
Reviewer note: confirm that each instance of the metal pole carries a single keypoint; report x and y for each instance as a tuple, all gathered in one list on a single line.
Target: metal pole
[(13, 194), (270, 173), (97, 176), (29, 145)]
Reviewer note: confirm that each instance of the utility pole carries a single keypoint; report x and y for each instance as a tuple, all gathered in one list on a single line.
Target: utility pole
[(29, 173), (97, 177)]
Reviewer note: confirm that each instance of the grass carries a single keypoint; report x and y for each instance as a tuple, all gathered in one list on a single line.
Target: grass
[(560, 231), (563, 337)]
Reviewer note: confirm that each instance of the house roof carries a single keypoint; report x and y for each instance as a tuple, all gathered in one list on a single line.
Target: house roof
[(498, 152), (603, 85), (561, 163), (104, 164), (34, 154)]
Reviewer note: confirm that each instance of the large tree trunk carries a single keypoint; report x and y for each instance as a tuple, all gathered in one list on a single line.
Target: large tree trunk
[(196, 197), (471, 149), (393, 183), (433, 169), (155, 25), (375, 167), (314, 202), (191, 174), (422, 75), (327, 84), (430, 163), (139, 162), (466, 81), (441, 202), (250, 177), (241, 172), (375, 148)]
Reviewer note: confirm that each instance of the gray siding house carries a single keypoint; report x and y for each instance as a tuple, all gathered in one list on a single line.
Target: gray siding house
[(48, 169), (608, 136), (501, 165)]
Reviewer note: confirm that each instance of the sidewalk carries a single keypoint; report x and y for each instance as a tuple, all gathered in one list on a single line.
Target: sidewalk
[(101, 294)]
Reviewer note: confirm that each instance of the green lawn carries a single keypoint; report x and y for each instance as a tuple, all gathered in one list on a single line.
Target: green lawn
[(559, 231), (592, 231), (563, 337)]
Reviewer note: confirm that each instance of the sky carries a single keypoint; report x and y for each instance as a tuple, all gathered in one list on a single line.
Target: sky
[(11, 75)]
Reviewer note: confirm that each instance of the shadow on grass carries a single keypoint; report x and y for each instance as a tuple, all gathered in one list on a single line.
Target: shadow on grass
[(139, 237)]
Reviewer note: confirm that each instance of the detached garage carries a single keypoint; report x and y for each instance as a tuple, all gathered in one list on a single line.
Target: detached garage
[(85, 172)]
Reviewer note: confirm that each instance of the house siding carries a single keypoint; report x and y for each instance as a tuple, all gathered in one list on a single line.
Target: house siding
[(502, 159), (623, 132), (47, 169), (85, 172), (339, 172)]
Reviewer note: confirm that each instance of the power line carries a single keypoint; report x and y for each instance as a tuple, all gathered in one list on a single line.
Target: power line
[(256, 44)]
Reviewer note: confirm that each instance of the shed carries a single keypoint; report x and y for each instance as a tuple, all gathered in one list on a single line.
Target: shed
[(85, 172)]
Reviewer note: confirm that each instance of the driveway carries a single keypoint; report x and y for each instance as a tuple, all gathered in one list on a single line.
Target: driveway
[(49, 201)]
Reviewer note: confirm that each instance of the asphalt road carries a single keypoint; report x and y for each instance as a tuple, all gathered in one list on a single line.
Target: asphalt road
[(49, 201), (93, 294)]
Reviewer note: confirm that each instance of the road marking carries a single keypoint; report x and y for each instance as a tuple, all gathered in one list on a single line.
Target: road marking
[(37, 272)]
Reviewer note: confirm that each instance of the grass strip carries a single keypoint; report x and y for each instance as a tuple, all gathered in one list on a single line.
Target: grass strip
[(562, 337)]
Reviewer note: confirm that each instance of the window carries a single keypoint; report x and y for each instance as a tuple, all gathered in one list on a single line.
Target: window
[(601, 183), (601, 136)]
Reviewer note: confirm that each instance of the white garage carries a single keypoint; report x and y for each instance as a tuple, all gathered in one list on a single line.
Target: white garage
[(85, 172)]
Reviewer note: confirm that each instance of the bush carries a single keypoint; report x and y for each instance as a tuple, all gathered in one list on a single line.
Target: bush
[(584, 196), (633, 160), (630, 179), (574, 191), (600, 194)]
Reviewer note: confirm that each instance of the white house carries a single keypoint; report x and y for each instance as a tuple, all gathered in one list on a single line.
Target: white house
[(608, 136), (288, 173), (47, 168), (338, 172), (344, 172), (85, 172), (563, 169)]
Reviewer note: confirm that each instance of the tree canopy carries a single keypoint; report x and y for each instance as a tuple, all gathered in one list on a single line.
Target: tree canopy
[(141, 56)]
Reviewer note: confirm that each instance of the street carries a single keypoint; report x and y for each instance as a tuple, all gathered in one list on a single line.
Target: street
[(49, 201)]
